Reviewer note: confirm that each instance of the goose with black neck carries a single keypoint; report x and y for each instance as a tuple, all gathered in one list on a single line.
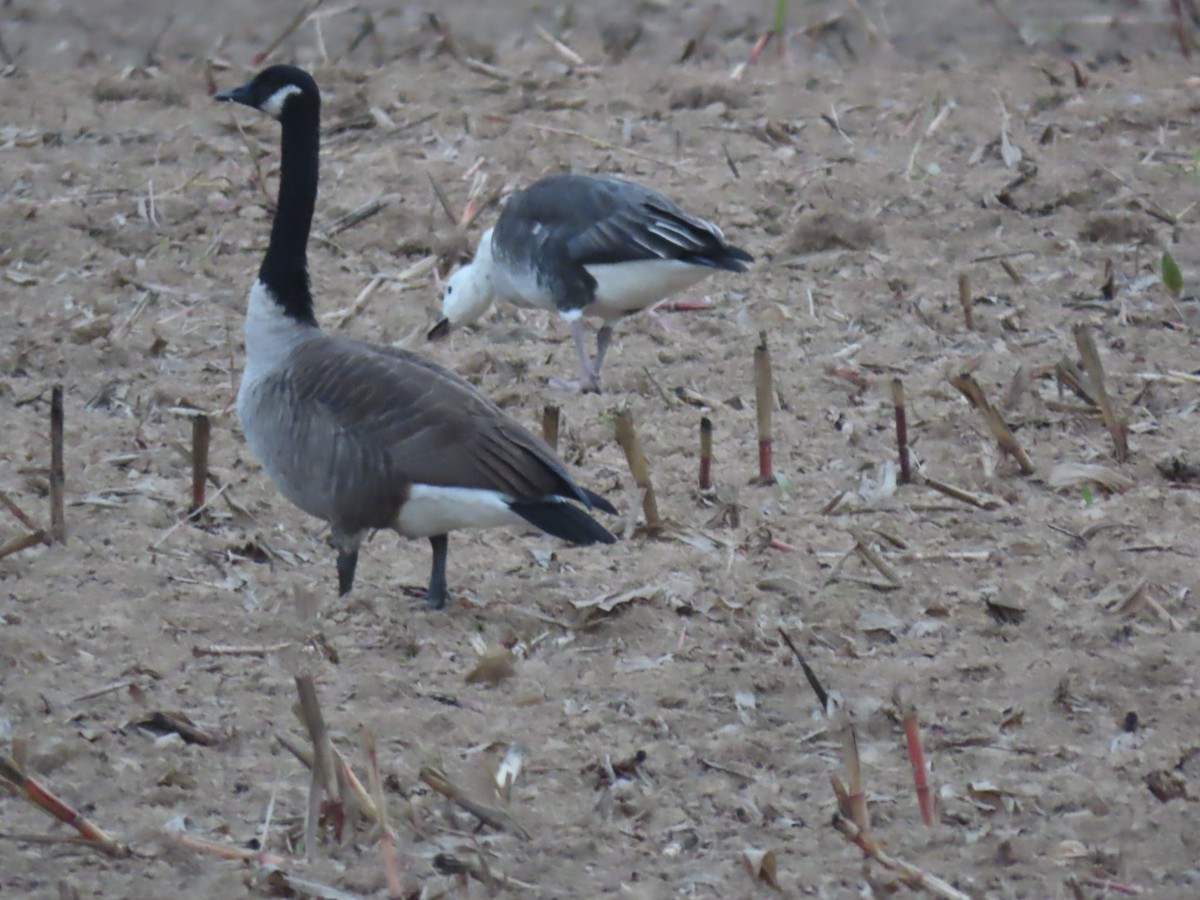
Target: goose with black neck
[(367, 436)]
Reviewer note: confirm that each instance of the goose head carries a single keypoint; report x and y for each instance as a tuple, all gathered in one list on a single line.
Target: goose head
[(276, 90), (468, 292)]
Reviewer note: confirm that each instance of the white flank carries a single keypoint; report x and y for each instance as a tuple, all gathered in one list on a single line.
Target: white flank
[(432, 510), (630, 286), (273, 106)]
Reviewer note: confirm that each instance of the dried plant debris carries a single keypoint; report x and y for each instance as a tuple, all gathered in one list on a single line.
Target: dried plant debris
[(180, 724), (705, 94), (1178, 468), (608, 772), (1068, 475), (762, 866), (141, 87), (135, 215), (495, 664), (1118, 228), (832, 230)]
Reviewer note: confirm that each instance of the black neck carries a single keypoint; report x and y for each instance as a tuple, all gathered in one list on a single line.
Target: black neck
[(285, 267)]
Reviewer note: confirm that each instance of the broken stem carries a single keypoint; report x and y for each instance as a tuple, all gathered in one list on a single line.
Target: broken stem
[(964, 299), (387, 847), (58, 481), (809, 674), (324, 772), (855, 800), (1095, 373), (958, 493), (551, 415), (901, 431), (41, 797), (969, 387), (916, 757), (496, 818), (910, 874), (706, 438), (764, 397), (201, 432), (628, 439)]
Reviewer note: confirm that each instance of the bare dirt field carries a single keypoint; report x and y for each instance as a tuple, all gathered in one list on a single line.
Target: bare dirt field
[(1048, 635)]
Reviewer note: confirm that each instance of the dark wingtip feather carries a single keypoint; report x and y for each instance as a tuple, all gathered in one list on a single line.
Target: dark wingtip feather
[(734, 258), (595, 501), (563, 519)]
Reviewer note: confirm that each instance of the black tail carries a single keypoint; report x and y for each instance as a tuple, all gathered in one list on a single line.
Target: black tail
[(732, 260), (595, 500), (563, 520), (707, 246)]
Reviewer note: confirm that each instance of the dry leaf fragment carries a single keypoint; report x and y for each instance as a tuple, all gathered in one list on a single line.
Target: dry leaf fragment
[(1004, 612), (495, 664), (22, 278), (1013, 717), (609, 602), (746, 706), (990, 798), (782, 584), (178, 723), (1167, 785), (1071, 475), (1068, 851), (879, 624), (607, 772), (761, 866), (509, 770)]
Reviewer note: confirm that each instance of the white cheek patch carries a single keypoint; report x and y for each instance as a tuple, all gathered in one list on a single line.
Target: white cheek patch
[(273, 105)]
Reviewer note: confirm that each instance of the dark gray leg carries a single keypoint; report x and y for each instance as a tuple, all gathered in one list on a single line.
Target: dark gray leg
[(603, 338), (587, 379), (346, 564), (436, 595)]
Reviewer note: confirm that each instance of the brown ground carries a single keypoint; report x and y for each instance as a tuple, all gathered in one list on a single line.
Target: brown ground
[(865, 183)]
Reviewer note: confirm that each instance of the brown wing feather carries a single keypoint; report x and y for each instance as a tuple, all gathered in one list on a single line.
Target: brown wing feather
[(396, 419)]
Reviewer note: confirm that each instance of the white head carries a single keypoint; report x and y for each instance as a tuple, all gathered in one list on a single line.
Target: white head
[(468, 292)]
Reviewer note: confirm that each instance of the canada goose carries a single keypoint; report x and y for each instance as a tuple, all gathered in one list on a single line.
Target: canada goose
[(586, 245), (366, 436)]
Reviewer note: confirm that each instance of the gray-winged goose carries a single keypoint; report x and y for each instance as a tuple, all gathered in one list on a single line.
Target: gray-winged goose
[(586, 245), (365, 436)]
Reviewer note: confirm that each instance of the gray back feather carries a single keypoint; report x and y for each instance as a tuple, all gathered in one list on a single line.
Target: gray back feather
[(356, 424)]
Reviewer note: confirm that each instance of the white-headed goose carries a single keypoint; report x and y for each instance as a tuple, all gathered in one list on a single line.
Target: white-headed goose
[(586, 245), (365, 436)]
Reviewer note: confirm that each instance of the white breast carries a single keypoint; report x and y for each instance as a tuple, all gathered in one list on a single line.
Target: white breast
[(271, 334)]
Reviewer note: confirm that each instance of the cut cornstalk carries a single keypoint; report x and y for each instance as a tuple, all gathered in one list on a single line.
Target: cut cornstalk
[(764, 400), (201, 433), (58, 481), (964, 300), (41, 797), (916, 757), (1095, 373), (901, 431), (628, 439), (706, 438), (969, 387), (551, 416)]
